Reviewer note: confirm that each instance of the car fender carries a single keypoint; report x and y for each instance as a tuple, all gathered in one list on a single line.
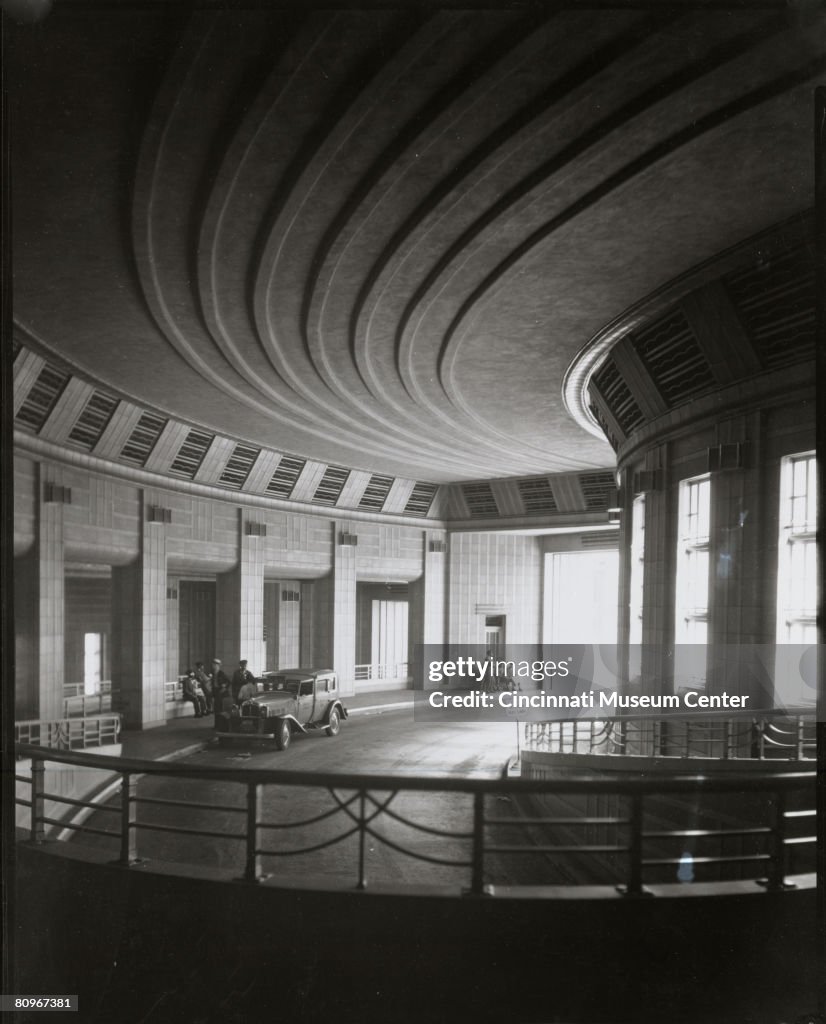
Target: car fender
[(295, 725), (342, 711)]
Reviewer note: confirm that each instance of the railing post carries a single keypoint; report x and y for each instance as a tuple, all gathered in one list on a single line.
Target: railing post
[(477, 881), (634, 887), (252, 860), (728, 740), (777, 857), (362, 881), (800, 743), (128, 819), (37, 832)]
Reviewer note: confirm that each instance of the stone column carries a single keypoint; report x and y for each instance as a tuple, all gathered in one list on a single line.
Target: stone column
[(343, 607), (139, 663), (53, 497), (240, 600), (427, 605)]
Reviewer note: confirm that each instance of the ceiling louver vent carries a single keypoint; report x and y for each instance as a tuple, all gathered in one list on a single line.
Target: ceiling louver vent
[(239, 465), (142, 439), (330, 486), (191, 454), (537, 496), (284, 478), (420, 500), (617, 396), (776, 301), (480, 501), (599, 416), (674, 359), (595, 488), (93, 420), (603, 539), (375, 493), (42, 397)]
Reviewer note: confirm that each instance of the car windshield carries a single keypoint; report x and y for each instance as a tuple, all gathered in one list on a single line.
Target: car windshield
[(288, 685)]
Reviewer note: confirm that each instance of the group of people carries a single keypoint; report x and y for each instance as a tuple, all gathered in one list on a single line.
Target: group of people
[(214, 692)]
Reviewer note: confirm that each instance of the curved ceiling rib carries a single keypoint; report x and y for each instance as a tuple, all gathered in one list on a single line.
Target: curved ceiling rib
[(379, 238)]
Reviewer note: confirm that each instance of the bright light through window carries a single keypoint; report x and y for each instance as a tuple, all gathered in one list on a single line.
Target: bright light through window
[(92, 662), (692, 590), (637, 568), (796, 575)]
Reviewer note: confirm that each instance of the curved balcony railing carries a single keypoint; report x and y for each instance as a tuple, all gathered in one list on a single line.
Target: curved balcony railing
[(397, 671), (728, 737), (354, 813), (70, 733)]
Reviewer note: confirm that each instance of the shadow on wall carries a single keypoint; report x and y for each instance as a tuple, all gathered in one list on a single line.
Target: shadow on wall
[(140, 947)]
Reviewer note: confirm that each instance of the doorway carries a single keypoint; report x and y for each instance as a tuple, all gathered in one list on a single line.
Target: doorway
[(196, 622), (495, 636)]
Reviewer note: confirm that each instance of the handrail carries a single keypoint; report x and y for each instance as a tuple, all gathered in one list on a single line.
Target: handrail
[(70, 733), (739, 736), (397, 670), (362, 800)]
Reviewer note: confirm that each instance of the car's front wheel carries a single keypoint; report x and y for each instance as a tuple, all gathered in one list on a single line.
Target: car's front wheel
[(333, 723), (283, 734)]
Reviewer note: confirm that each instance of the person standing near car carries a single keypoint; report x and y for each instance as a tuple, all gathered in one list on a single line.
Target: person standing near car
[(205, 681), (221, 690), (247, 691), (240, 676)]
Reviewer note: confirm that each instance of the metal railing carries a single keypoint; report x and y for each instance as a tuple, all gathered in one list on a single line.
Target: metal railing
[(742, 737), (87, 704), (399, 670), (173, 690), (69, 733), (363, 807), (79, 689)]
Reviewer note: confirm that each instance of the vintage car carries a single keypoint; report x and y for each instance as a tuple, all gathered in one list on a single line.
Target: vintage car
[(293, 700)]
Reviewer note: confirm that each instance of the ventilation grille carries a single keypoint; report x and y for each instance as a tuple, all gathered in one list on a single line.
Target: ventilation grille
[(143, 439), (595, 488), (537, 496), (607, 539), (42, 397), (776, 301), (330, 487), (480, 501), (191, 454), (674, 360), (420, 500), (284, 478), (239, 465), (93, 420), (606, 429), (375, 493), (617, 396)]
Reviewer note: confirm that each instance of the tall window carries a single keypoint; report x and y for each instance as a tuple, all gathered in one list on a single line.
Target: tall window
[(92, 662), (796, 551), (637, 568), (389, 638), (636, 587), (691, 605), (581, 589)]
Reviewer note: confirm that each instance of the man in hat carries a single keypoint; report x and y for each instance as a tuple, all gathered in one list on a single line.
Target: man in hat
[(221, 690), (239, 678)]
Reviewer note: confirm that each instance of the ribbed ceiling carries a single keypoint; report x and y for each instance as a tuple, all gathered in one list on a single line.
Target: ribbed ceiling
[(377, 239)]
